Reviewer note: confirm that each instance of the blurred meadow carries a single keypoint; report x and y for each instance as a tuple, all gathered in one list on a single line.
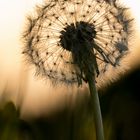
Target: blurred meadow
[(32, 109)]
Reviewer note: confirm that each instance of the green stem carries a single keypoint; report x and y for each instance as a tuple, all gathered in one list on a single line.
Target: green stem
[(96, 108)]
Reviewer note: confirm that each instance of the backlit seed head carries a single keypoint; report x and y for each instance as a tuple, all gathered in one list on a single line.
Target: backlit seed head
[(66, 39)]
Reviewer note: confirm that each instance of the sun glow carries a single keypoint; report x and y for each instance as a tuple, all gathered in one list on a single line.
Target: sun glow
[(134, 5), (12, 15), (12, 21)]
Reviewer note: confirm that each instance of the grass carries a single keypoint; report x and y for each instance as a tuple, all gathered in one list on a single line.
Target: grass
[(120, 105)]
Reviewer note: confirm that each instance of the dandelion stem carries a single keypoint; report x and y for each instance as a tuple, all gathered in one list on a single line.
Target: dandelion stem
[(96, 108)]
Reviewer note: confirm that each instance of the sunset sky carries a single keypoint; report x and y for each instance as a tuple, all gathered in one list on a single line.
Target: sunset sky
[(12, 21)]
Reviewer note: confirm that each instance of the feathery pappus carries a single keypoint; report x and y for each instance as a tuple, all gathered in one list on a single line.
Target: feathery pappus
[(66, 39)]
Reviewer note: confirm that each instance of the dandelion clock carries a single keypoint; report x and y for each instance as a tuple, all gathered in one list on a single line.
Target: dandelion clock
[(73, 41)]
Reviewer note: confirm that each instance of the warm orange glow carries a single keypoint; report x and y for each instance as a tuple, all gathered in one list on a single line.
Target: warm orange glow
[(12, 16)]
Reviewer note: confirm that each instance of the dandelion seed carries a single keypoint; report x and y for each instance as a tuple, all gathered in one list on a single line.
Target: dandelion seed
[(75, 36)]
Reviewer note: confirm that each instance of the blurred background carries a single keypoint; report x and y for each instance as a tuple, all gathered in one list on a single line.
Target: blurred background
[(31, 109)]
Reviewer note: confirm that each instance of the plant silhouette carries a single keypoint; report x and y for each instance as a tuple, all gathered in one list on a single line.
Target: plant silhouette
[(73, 41)]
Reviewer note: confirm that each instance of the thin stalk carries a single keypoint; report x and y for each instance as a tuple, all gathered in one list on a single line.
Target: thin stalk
[(96, 108)]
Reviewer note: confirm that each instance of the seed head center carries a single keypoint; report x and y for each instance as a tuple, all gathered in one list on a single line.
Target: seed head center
[(73, 37)]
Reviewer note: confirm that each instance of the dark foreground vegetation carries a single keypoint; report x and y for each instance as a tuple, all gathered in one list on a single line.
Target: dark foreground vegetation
[(120, 104)]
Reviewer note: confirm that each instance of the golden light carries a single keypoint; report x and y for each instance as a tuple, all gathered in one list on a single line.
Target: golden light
[(12, 20)]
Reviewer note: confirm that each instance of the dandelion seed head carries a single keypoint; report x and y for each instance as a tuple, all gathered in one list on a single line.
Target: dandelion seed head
[(68, 38)]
